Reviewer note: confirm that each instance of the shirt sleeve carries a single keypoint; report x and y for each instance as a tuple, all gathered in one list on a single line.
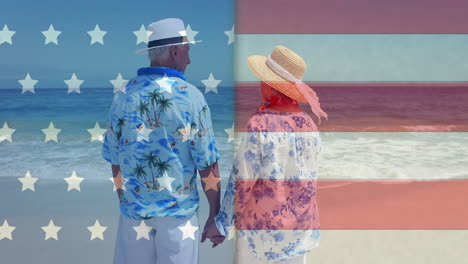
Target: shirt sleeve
[(203, 146), (110, 147), (225, 219), (245, 167)]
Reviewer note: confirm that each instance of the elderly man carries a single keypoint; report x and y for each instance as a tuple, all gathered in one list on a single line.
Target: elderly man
[(159, 133)]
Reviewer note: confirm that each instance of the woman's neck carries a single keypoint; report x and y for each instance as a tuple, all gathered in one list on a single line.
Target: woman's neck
[(286, 108)]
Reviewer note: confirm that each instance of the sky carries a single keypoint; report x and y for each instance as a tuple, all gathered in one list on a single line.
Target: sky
[(97, 64)]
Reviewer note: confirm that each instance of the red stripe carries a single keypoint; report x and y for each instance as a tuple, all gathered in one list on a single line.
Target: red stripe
[(393, 107), (358, 204), (358, 16), (276, 204), (436, 204)]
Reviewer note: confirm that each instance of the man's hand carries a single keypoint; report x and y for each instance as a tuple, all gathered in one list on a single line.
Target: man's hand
[(211, 184), (117, 177), (119, 194), (212, 232)]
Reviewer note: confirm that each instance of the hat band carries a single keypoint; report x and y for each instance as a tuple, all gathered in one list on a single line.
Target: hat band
[(167, 41), (278, 69)]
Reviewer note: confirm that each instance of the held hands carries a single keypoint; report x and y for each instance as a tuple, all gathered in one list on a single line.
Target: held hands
[(212, 232)]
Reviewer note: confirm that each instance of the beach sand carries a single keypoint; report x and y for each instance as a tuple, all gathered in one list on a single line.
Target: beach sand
[(74, 211)]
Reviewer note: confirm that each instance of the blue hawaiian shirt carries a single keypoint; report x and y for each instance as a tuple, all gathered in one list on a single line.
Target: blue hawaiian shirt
[(159, 131)]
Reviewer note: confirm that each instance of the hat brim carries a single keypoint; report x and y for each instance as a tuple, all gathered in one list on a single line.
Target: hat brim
[(257, 65), (145, 50)]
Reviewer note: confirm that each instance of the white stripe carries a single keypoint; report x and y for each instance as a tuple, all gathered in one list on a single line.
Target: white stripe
[(390, 246), (391, 155), (364, 57)]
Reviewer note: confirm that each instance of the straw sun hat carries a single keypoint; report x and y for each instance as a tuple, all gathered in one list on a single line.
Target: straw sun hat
[(290, 61), (283, 70)]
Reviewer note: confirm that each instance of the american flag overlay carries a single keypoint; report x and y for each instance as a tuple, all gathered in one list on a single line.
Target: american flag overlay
[(392, 76)]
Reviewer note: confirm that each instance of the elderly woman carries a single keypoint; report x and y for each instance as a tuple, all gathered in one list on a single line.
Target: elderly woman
[(271, 194)]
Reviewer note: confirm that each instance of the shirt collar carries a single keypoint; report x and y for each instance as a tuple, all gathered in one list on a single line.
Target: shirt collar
[(161, 71)]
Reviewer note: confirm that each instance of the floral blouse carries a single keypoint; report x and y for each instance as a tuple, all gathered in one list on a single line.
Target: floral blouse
[(271, 194)]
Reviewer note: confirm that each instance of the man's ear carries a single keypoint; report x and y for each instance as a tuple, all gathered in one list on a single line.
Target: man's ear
[(173, 49)]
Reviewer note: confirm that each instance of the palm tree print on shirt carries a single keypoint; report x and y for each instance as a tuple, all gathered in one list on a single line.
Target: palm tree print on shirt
[(202, 112), (120, 124), (151, 159), (159, 104), (154, 98), (140, 172), (143, 109), (164, 105), (162, 166)]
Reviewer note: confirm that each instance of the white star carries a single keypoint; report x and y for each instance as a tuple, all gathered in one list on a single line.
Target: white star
[(51, 132), (211, 84), (165, 84), (166, 181), (51, 230), (51, 35), (231, 133), (142, 35), (28, 182), (123, 183), (185, 131), (28, 84), (143, 133), (97, 230), (142, 230), (119, 83), (6, 132), (5, 230), (97, 35), (230, 34), (5, 35), (190, 34), (73, 84), (97, 133), (188, 231), (73, 182)]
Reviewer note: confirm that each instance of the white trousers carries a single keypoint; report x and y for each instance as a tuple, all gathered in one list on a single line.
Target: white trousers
[(164, 246), (242, 255)]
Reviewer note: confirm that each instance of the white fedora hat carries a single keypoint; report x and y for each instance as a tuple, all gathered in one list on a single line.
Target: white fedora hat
[(166, 32)]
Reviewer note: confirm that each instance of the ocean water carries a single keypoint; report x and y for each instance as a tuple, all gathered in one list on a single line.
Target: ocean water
[(394, 155), (393, 132), (386, 108), (75, 113), (345, 155)]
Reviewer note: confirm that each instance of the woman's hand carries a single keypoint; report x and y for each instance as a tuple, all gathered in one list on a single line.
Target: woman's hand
[(211, 231)]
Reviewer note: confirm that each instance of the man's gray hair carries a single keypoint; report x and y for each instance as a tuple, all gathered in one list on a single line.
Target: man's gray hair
[(160, 53)]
